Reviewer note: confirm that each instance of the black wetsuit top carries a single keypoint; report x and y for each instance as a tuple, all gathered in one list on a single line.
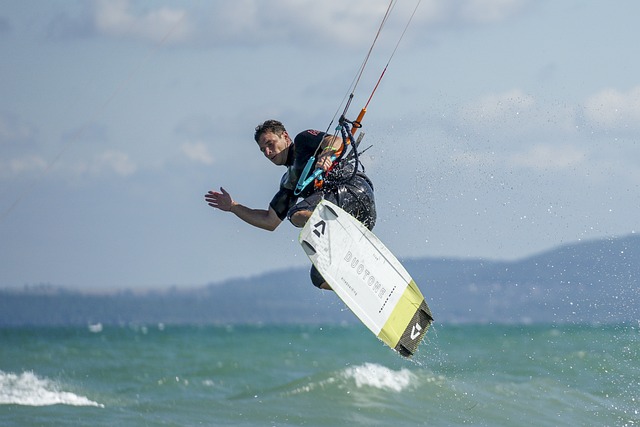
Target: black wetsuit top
[(304, 146), (351, 191)]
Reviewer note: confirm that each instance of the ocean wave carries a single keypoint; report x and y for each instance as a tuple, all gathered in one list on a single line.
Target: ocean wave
[(365, 376), (27, 389), (380, 377)]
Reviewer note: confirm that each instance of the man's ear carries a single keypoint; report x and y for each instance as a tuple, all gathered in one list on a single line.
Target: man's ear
[(286, 135)]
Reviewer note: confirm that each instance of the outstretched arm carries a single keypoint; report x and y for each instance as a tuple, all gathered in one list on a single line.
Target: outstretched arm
[(267, 219)]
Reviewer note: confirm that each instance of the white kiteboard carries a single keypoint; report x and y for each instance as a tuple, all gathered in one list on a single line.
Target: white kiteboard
[(367, 277)]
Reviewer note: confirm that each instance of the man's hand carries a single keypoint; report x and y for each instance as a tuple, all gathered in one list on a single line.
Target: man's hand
[(266, 219), (222, 200), (324, 161), (331, 147)]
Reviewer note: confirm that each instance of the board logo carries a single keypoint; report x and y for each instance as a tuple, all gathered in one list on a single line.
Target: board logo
[(320, 225), (367, 276), (415, 331)]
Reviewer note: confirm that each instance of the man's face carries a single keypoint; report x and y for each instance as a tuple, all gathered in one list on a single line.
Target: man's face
[(274, 147)]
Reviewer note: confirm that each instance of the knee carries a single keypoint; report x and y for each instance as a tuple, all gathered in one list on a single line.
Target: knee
[(300, 218)]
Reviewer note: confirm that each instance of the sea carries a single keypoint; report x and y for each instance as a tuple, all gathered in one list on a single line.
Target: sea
[(319, 375)]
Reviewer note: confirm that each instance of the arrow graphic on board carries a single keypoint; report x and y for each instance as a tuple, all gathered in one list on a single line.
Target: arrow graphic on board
[(320, 225), (415, 331)]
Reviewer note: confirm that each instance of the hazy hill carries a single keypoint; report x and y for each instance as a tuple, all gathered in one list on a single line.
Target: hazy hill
[(594, 282)]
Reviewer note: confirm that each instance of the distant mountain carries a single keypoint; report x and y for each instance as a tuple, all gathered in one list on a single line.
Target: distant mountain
[(588, 282), (592, 282)]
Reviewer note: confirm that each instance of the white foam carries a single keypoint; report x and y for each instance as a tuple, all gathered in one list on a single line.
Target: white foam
[(29, 390), (381, 377), (95, 328)]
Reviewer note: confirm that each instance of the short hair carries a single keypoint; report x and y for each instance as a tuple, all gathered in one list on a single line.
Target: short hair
[(273, 126)]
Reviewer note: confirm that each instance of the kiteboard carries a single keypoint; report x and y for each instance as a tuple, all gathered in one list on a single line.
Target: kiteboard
[(367, 277)]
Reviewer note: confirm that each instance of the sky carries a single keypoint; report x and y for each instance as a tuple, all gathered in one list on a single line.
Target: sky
[(501, 129)]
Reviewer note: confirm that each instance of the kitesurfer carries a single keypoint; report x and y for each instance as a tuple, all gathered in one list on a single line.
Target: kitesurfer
[(351, 191)]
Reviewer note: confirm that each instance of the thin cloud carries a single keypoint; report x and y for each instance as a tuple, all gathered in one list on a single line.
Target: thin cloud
[(110, 162), (612, 109), (17, 146), (328, 24), (350, 24), (497, 108), (116, 162), (489, 11), (23, 165), (259, 23), (197, 152), (116, 18), (547, 156), (515, 117)]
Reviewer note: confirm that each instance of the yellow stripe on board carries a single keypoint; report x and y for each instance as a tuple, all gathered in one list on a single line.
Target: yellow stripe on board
[(401, 315)]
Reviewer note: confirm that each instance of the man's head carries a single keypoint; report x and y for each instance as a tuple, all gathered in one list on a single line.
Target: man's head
[(273, 140)]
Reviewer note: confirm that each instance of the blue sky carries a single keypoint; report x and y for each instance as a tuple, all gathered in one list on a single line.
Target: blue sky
[(501, 129)]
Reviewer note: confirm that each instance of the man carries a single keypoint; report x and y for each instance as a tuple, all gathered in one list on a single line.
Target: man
[(351, 191)]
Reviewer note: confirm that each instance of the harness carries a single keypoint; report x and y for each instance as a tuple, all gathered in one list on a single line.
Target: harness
[(348, 158)]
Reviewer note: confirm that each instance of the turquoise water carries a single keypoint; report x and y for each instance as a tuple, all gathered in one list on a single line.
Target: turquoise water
[(471, 375)]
